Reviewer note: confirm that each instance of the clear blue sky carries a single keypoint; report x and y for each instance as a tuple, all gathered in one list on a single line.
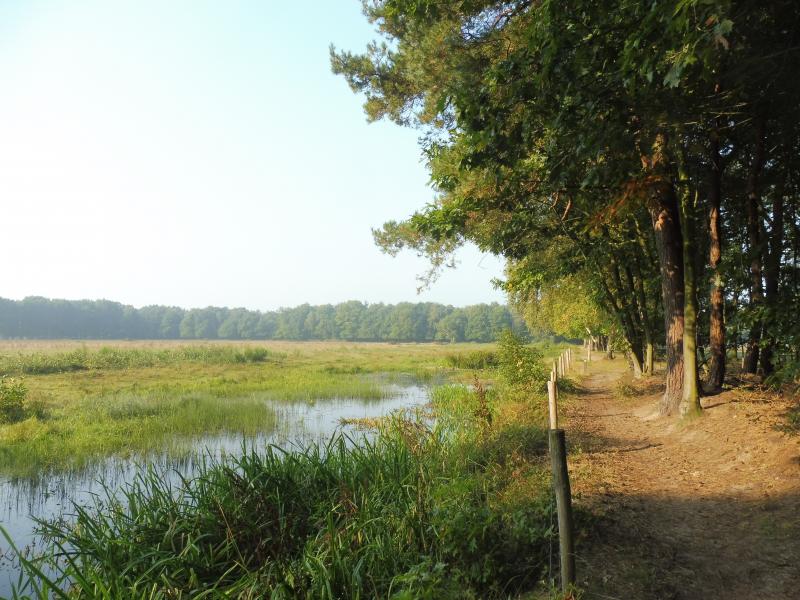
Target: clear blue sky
[(199, 152)]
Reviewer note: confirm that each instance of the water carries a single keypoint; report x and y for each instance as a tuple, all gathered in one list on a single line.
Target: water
[(23, 501)]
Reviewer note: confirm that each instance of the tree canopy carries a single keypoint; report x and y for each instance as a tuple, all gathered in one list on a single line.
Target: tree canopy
[(36, 317), (608, 147)]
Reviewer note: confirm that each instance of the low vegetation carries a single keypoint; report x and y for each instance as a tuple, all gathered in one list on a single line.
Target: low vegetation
[(455, 506), (123, 424), (475, 360), (107, 357), (14, 403), (79, 405)]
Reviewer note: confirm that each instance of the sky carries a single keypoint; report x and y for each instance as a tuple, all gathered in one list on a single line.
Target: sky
[(199, 152)]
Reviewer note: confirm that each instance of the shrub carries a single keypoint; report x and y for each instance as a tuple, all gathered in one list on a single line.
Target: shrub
[(520, 365), (13, 394)]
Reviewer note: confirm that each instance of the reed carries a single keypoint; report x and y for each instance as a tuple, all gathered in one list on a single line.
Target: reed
[(416, 513)]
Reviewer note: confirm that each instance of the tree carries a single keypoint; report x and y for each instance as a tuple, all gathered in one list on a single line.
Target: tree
[(572, 119)]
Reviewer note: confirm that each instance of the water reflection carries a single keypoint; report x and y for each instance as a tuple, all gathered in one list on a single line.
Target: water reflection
[(22, 501)]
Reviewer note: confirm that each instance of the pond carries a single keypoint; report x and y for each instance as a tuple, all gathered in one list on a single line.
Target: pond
[(297, 423)]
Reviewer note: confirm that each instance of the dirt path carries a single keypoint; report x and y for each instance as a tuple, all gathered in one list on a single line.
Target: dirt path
[(704, 509)]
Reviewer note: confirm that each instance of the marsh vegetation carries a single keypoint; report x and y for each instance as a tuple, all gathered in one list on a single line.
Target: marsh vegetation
[(449, 501)]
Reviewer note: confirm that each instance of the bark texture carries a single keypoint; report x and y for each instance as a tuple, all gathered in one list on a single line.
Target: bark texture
[(772, 277), (665, 216), (669, 243), (690, 399), (754, 241)]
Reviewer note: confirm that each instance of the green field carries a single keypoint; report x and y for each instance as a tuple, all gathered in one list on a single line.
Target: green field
[(89, 400)]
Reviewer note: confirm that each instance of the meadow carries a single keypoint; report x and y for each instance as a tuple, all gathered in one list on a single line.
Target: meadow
[(452, 501), (88, 400)]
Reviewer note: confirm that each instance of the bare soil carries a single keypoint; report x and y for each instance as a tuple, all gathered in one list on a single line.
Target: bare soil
[(705, 508)]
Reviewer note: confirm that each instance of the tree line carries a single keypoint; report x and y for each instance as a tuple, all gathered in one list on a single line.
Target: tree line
[(636, 163), (36, 317)]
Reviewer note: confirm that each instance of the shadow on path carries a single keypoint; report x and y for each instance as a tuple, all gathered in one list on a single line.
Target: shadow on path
[(684, 510)]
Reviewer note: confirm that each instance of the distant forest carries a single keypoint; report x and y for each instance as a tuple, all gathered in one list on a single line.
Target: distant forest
[(42, 318)]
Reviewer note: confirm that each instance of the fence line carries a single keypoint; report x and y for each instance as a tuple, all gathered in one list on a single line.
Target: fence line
[(558, 461)]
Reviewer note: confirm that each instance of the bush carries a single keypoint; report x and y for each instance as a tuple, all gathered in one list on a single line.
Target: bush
[(13, 394), (788, 375), (520, 365)]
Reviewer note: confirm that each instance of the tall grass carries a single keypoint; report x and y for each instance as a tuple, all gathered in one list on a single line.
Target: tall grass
[(124, 424), (82, 359), (417, 513), (474, 360), (81, 406), (454, 506)]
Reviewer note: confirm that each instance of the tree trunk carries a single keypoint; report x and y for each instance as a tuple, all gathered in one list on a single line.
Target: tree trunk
[(625, 313), (690, 400), (716, 367), (772, 277), (663, 208), (754, 239), (649, 353), (636, 365), (644, 318)]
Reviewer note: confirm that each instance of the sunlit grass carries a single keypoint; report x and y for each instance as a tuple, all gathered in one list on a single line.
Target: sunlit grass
[(110, 358), (458, 509), (93, 402), (135, 397), (123, 425)]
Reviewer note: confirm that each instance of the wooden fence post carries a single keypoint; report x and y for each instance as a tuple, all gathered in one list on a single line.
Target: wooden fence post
[(558, 460), (552, 404)]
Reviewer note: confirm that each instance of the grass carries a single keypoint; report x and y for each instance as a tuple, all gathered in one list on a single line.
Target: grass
[(458, 507), (87, 401), (109, 357), (123, 424), (627, 386), (476, 359)]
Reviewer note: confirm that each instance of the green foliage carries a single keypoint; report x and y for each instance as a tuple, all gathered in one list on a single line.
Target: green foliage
[(520, 365), (788, 376), (13, 404), (793, 419), (40, 318), (625, 390), (562, 136)]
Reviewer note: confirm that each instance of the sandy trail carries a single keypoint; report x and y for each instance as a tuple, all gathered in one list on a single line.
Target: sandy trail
[(703, 509)]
